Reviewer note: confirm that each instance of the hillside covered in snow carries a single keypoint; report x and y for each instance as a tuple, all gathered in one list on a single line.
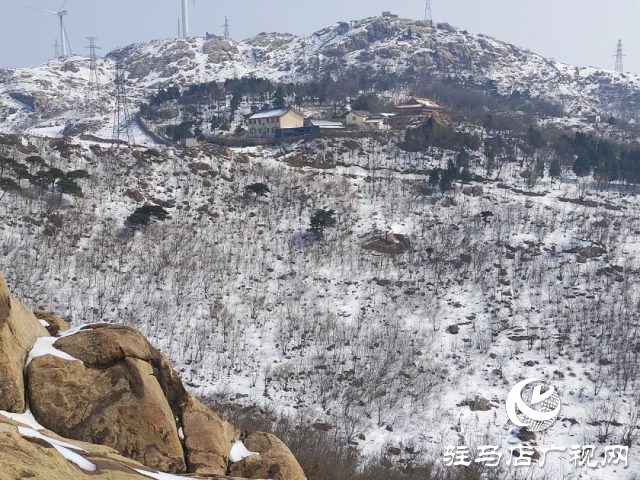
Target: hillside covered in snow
[(397, 330), (45, 99)]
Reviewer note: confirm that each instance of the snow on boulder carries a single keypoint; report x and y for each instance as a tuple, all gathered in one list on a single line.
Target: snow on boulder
[(273, 459), (239, 452)]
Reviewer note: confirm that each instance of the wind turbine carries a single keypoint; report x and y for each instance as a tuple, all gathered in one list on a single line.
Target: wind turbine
[(185, 18), (64, 39)]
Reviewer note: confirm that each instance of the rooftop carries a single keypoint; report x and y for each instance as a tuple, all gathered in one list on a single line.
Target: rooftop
[(362, 113), (326, 123), (419, 102), (270, 113)]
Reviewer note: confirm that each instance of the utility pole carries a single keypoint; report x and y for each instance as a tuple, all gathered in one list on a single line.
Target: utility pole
[(122, 120), (56, 47), (620, 58), (428, 14), (227, 35), (94, 76)]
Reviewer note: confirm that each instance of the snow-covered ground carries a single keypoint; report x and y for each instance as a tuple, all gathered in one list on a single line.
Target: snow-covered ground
[(254, 310)]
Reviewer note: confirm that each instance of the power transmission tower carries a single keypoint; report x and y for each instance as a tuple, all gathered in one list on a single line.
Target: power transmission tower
[(122, 120), (227, 35), (56, 47), (620, 58), (94, 76), (428, 14)]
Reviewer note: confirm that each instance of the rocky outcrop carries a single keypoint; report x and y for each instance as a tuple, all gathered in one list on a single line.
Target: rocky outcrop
[(37, 102), (220, 50), (207, 439), (23, 457), (123, 393), (19, 330), (274, 461), (55, 324), (121, 407), (106, 386)]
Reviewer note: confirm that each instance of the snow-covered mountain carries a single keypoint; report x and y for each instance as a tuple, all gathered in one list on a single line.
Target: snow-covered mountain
[(49, 96)]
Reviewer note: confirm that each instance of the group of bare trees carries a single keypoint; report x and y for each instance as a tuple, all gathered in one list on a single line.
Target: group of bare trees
[(230, 288)]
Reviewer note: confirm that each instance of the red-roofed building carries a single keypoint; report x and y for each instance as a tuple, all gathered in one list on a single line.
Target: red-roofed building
[(417, 106)]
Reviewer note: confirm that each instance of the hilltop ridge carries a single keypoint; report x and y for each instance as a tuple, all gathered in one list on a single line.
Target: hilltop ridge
[(48, 96)]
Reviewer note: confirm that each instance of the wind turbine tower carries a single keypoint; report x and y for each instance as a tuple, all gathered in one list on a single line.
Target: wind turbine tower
[(61, 13), (185, 18)]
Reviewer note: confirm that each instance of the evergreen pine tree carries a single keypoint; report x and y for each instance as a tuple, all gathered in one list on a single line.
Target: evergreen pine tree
[(279, 100), (582, 167), (555, 170)]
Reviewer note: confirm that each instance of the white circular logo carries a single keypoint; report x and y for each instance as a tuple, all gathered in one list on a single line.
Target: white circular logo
[(540, 411)]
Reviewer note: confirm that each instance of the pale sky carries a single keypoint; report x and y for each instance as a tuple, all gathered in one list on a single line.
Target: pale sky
[(579, 32)]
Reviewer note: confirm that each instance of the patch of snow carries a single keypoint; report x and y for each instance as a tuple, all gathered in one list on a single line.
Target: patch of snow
[(44, 346), (181, 433), (239, 452), (44, 323), (25, 418), (160, 476), (65, 449), (74, 331)]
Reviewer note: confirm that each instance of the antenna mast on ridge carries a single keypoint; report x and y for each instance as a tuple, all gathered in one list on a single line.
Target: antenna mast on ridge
[(227, 35), (428, 14), (620, 58), (56, 47)]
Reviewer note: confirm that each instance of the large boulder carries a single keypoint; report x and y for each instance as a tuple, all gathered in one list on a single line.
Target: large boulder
[(274, 461), (19, 330), (121, 406), (207, 439), (123, 393)]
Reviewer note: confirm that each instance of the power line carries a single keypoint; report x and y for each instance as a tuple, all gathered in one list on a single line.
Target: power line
[(620, 58), (122, 119)]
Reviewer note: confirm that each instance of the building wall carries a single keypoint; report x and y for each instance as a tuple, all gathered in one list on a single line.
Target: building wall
[(291, 120), (354, 120), (263, 127), (374, 126), (266, 127)]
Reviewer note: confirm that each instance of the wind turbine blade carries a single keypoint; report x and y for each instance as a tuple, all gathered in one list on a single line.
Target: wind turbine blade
[(39, 9), (65, 2)]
